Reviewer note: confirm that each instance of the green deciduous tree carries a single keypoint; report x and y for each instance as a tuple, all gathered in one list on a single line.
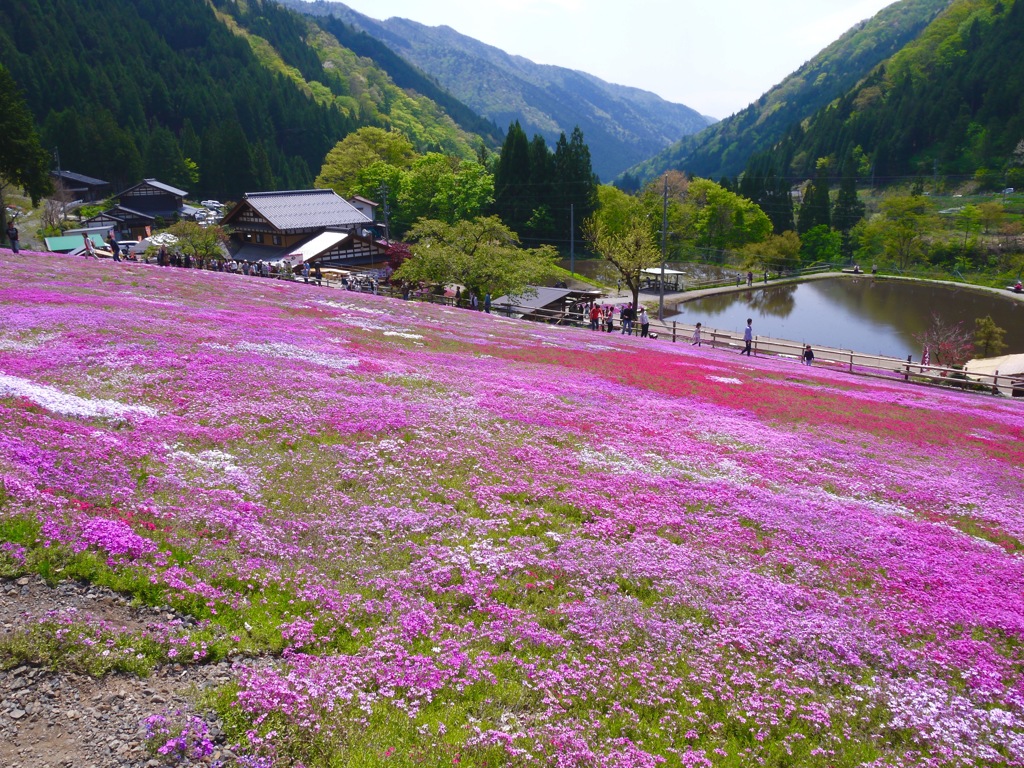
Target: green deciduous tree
[(358, 150), (444, 188), (776, 254), (820, 244), (620, 233), (482, 254), (897, 233), (200, 242)]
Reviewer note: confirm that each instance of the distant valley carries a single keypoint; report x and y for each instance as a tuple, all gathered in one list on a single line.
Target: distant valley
[(623, 126)]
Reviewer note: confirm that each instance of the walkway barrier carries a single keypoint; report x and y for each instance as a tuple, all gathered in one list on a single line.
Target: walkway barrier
[(861, 363)]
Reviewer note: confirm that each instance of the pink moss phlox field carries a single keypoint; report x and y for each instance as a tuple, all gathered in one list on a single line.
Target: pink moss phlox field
[(472, 540)]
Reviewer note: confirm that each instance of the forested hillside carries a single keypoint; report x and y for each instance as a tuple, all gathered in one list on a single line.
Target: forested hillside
[(217, 98), (622, 125), (724, 148), (950, 104)]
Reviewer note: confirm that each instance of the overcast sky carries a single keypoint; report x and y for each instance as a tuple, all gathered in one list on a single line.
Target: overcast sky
[(715, 56)]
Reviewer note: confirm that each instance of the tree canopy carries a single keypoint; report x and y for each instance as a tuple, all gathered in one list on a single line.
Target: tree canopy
[(620, 233), (23, 161), (481, 254)]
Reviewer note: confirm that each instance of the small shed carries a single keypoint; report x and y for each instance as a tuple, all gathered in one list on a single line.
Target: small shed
[(652, 278), (545, 304)]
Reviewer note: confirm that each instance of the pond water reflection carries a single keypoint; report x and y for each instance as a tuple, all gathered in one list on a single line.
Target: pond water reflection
[(865, 315)]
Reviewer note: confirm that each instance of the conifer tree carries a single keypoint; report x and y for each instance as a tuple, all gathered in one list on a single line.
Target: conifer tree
[(23, 161), (816, 208), (849, 209), (512, 180), (576, 184)]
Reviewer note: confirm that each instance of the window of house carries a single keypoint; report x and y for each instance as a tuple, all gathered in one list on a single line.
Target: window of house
[(259, 239), (277, 239)]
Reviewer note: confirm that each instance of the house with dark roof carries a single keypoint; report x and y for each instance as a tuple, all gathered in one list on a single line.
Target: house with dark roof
[(154, 198), (143, 208), (81, 187), (305, 225)]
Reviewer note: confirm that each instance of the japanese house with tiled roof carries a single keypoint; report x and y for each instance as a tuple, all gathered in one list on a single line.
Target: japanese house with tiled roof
[(81, 187), (143, 208), (306, 225)]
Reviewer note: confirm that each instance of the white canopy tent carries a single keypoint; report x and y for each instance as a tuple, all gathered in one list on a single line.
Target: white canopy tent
[(1010, 366)]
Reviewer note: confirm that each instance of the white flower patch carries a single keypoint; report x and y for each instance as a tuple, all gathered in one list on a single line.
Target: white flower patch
[(52, 399), (403, 335), (725, 379), (361, 309), (13, 345), (291, 352), (610, 460), (212, 459)]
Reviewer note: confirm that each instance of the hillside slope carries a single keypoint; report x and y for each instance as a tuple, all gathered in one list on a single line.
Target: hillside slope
[(253, 94), (428, 536), (621, 125), (947, 104), (724, 148)]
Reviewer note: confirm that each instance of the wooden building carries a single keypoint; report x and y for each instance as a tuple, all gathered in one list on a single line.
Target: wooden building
[(141, 209), (306, 225), (81, 187)]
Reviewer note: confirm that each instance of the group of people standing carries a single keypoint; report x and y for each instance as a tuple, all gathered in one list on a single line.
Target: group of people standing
[(602, 318), (471, 301)]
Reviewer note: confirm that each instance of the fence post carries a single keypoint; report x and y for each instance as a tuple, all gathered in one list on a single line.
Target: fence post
[(851, 361), (673, 331), (995, 383), (906, 376)]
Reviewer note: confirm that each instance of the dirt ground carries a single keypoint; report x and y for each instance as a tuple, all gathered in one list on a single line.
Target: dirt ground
[(50, 719)]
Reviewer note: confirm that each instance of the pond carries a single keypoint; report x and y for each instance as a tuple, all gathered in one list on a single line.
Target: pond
[(865, 315)]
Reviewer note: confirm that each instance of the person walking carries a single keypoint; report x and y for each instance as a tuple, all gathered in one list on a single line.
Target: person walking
[(305, 271), (808, 355), (748, 337), (595, 316), (696, 335), (750, 279), (12, 235), (645, 323), (90, 249), (115, 249), (487, 303)]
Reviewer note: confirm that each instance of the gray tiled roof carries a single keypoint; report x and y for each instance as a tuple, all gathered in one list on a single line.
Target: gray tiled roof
[(305, 209), (157, 185), (79, 178)]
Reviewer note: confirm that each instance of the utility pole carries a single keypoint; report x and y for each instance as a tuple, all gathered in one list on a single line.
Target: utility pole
[(572, 238), (383, 190), (664, 248)]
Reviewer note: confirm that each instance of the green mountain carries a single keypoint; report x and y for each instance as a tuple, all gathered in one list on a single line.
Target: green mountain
[(622, 125), (949, 104), (724, 148), (217, 97)]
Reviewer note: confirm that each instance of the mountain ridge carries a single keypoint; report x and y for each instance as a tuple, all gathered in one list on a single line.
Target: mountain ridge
[(724, 148), (623, 125)]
